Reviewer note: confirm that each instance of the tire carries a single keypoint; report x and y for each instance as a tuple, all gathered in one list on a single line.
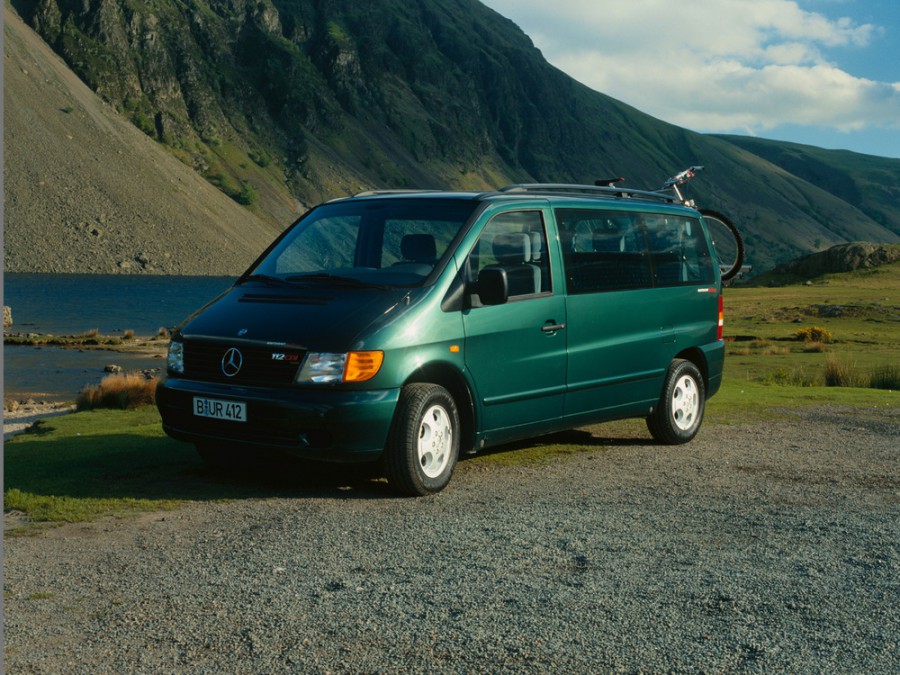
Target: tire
[(677, 417), (727, 242), (423, 445)]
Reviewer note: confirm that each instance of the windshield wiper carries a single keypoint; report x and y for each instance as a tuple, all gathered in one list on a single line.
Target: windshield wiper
[(334, 279)]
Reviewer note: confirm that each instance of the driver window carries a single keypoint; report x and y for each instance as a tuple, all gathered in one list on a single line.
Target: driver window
[(517, 242)]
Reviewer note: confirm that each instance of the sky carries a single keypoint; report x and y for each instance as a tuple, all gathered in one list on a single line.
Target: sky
[(818, 72)]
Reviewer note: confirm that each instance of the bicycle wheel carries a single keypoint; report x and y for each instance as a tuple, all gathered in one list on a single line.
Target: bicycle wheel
[(726, 241)]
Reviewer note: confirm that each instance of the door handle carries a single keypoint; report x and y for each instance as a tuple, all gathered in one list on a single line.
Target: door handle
[(551, 327)]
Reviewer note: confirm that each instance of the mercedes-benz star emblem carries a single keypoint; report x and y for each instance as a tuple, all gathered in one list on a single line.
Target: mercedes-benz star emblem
[(232, 362)]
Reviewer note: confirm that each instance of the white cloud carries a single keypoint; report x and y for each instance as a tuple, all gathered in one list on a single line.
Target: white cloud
[(713, 65)]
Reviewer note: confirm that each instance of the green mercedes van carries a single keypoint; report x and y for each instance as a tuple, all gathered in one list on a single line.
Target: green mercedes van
[(405, 328)]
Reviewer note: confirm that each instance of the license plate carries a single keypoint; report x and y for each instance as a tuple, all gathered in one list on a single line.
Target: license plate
[(220, 410)]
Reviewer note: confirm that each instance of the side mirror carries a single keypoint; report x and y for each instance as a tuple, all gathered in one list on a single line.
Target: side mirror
[(493, 286)]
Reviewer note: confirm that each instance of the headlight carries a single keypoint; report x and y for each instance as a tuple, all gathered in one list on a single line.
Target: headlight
[(175, 358), (324, 367)]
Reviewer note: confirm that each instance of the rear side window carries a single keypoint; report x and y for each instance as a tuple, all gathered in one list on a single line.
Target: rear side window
[(612, 250), (678, 251)]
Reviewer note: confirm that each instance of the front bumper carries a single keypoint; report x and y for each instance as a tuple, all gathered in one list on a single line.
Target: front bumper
[(336, 425)]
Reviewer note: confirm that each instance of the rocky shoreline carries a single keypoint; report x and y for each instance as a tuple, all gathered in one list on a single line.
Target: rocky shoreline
[(20, 412), (18, 416)]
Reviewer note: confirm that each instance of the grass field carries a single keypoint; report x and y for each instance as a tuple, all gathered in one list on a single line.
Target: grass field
[(861, 311), (116, 462)]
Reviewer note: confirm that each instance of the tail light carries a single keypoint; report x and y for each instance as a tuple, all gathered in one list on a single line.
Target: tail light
[(721, 317)]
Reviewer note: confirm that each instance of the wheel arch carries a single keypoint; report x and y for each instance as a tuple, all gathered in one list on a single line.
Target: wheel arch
[(698, 358), (449, 377)]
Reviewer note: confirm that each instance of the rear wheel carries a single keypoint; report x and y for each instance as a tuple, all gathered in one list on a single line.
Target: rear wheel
[(423, 446), (677, 416)]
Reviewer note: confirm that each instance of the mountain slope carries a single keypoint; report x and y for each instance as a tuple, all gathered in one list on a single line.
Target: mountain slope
[(280, 101), (871, 184), (85, 191)]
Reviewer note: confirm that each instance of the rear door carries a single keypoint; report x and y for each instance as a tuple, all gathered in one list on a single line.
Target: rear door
[(633, 303), (516, 352)]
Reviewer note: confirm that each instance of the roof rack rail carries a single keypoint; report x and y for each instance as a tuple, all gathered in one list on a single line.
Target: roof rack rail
[(591, 190), (401, 191)]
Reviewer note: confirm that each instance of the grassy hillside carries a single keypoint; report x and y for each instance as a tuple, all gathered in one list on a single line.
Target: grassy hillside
[(871, 184), (277, 102)]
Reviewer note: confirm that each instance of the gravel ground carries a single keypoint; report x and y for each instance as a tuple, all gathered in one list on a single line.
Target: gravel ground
[(766, 547)]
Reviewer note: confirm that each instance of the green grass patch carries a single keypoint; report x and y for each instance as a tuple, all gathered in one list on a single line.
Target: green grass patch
[(100, 463), (749, 400), (42, 596), (97, 463)]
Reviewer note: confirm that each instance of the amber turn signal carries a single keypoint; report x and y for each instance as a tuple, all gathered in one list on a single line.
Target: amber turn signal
[(362, 366)]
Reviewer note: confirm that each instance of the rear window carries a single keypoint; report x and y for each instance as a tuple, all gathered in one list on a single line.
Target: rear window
[(612, 250)]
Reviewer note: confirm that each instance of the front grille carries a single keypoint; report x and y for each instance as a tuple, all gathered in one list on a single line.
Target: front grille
[(258, 365)]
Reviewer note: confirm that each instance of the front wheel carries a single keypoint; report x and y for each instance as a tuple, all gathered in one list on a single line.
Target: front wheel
[(423, 445), (677, 417)]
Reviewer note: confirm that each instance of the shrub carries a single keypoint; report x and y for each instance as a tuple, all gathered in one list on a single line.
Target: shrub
[(810, 347), (886, 377), (839, 373), (128, 334), (247, 195), (119, 391), (788, 378), (92, 333), (261, 158), (813, 334)]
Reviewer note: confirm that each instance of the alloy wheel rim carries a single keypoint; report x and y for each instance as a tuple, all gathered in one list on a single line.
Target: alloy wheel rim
[(685, 403), (435, 441)]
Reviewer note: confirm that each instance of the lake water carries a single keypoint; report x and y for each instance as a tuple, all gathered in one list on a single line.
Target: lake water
[(72, 304)]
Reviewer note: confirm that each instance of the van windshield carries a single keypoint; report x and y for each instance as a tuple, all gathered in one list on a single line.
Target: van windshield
[(377, 242)]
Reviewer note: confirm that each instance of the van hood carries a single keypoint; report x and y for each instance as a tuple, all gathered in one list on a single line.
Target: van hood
[(318, 319)]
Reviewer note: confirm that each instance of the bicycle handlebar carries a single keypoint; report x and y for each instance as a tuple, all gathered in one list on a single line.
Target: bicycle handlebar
[(683, 177)]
